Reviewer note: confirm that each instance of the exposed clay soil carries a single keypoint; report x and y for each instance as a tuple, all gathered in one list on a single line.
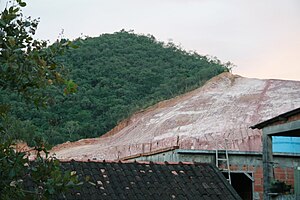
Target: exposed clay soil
[(225, 107)]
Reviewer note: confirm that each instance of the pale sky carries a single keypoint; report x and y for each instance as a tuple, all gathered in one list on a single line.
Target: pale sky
[(262, 37)]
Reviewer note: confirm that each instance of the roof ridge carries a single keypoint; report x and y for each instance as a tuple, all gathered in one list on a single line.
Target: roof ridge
[(135, 161)]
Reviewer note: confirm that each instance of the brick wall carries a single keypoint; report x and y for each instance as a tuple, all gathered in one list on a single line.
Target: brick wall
[(282, 174)]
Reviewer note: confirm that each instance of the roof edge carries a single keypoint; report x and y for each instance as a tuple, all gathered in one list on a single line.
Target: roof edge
[(281, 117), (225, 182), (134, 161)]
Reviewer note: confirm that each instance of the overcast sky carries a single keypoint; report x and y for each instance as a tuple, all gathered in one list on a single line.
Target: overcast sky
[(262, 37)]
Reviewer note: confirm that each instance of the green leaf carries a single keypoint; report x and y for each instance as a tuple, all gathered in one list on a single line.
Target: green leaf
[(22, 4), (11, 9)]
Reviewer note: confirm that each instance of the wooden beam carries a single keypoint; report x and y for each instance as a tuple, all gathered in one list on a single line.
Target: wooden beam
[(282, 128)]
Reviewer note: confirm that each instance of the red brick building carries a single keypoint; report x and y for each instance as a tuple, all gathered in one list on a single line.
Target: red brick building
[(288, 125)]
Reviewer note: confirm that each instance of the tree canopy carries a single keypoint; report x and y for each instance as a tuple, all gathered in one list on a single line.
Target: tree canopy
[(118, 74), (27, 68)]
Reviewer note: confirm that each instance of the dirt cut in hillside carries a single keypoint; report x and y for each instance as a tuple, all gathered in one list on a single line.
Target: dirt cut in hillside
[(224, 108)]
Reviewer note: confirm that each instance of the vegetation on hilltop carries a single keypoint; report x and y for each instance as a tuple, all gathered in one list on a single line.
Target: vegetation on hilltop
[(117, 75)]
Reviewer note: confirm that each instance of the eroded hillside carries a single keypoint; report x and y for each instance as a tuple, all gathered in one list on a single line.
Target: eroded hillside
[(224, 107)]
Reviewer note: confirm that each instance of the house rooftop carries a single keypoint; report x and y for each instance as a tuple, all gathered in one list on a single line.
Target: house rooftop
[(148, 180)]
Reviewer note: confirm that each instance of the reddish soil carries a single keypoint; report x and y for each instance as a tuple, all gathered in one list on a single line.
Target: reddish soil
[(224, 108)]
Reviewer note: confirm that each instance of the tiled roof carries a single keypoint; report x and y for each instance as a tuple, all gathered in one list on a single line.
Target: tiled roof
[(119, 180)]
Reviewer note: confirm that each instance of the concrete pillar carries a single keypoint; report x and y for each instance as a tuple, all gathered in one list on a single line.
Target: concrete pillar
[(267, 164)]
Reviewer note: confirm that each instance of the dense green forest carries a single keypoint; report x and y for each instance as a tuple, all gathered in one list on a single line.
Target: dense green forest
[(117, 75)]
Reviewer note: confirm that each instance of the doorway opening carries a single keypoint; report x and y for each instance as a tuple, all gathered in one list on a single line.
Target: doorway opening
[(242, 182)]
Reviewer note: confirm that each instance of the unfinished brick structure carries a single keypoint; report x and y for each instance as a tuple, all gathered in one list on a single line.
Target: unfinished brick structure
[(286, 124)]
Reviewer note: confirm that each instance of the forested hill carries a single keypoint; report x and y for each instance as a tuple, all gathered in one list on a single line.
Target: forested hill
[(117, 74)]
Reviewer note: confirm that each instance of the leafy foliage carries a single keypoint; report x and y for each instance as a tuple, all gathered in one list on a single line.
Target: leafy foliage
[(43, 174), (27, 67), (118, 74)]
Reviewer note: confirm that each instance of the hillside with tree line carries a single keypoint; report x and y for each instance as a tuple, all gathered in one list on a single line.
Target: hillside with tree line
[(117, 74)]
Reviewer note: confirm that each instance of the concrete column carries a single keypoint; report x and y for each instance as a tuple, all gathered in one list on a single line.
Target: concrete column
[(267, 164)]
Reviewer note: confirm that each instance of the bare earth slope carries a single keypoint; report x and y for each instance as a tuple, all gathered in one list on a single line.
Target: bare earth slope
[(224, 107)]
